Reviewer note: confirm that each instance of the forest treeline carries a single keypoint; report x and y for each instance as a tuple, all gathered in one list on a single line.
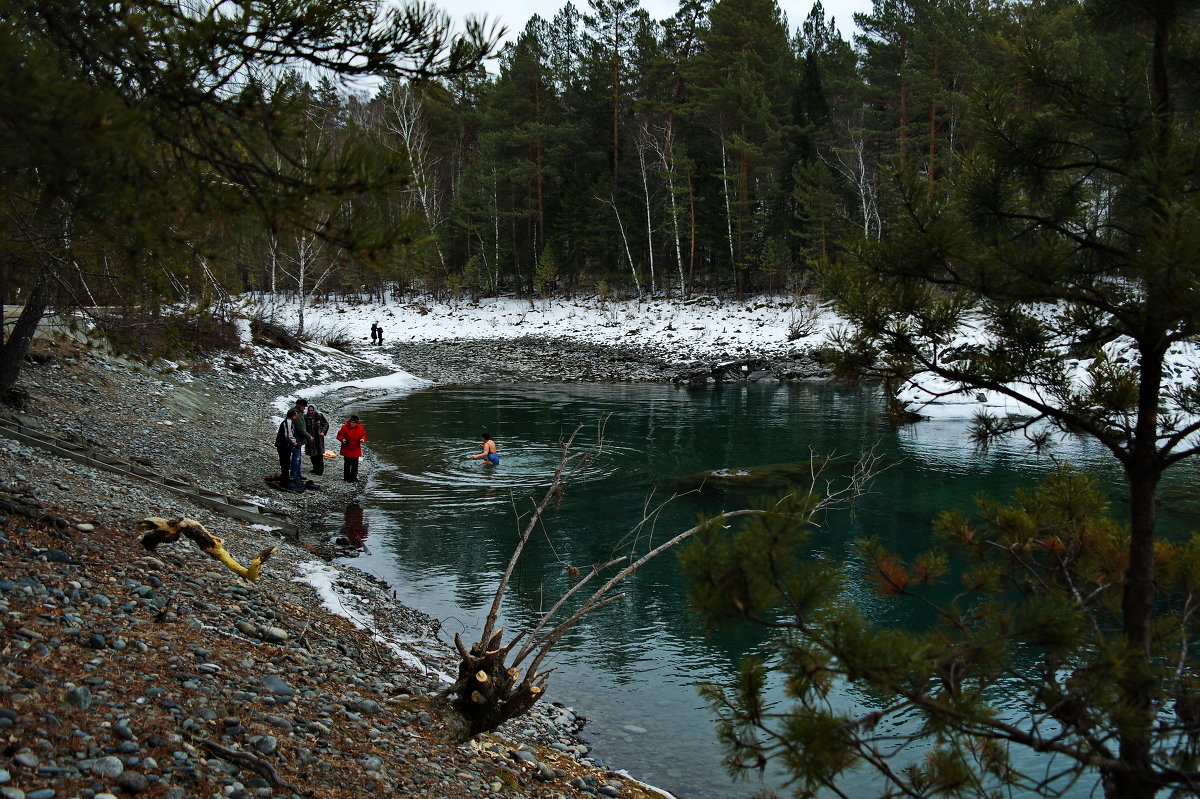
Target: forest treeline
[(724, 148), (152, 154)]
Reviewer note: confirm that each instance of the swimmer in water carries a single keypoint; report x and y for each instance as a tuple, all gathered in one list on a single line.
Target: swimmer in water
[(488, 453)]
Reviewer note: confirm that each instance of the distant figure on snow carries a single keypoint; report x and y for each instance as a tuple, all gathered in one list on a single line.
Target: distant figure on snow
[(487, 451), (374, 332), (379, 335), (352, 435)]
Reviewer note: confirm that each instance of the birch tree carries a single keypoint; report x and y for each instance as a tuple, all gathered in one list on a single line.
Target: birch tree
[(405, 120)]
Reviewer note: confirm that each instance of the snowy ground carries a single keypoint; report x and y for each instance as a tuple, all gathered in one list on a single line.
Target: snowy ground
[(697, 329), (688, 330)]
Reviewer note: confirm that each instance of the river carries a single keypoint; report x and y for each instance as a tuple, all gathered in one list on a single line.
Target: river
[(441, 528)]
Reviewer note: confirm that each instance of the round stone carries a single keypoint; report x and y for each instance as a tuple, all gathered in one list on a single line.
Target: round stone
[(274, 635), (277, 686), (266, 745), (80, 697), (109, 766), (132, 782), (26, 759)]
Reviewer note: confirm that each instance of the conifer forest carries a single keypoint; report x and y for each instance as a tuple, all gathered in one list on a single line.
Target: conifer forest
[(164, 153)]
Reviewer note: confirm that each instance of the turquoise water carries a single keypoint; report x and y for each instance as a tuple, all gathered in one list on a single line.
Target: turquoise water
[(441, 528)]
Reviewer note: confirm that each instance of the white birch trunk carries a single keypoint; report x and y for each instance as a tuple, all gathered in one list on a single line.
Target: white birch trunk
[(728, 207), (852, 164), (495, 230), (408, 123), (612, 203), (643, 143)]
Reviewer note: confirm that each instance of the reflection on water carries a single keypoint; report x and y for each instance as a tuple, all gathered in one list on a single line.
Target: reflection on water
[(442, 528), (354, 527)]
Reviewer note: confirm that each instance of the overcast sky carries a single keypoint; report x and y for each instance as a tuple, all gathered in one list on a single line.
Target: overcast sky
[(514, 13)]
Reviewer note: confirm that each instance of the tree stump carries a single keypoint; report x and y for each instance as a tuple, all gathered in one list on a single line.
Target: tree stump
[(487, 691)]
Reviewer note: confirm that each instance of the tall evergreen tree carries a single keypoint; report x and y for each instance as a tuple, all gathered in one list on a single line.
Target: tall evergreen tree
[(744, 86), (1055, 266), (612, 28), (828, 81)]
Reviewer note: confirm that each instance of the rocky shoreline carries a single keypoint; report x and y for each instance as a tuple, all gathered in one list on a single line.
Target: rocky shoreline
[(535, 359), (163, 674)]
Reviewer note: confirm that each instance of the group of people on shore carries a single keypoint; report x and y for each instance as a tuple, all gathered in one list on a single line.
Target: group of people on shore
[(302, 431)]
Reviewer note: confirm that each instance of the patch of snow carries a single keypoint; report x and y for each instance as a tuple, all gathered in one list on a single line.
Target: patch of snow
[(684, 330), (398, 382), (321, 577), (626, 775)]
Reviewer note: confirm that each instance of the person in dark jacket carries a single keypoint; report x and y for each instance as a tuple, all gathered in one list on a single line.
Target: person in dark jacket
[(302, 439), (352, 435), (285, 443), (317, 426)]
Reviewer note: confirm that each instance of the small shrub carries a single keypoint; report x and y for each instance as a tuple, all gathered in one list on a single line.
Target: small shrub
[(336, 336), (339, 340), (805, 313)]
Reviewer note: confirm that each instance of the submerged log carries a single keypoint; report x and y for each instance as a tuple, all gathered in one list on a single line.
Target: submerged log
[(158, 530), (770, 476)]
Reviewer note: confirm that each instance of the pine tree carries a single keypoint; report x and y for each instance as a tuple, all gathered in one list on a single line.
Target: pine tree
[(134, 125), (744, 83), (827, 83), (1054, 265)]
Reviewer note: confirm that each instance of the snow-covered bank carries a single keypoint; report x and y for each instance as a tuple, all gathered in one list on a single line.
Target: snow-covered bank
[(677, 331), (684, 330)]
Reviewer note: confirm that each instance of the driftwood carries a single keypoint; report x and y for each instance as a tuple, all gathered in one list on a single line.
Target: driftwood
[(247, 760), (167, 531), (489, 691)]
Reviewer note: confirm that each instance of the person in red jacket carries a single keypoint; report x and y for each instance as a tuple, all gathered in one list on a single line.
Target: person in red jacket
[(352, 435)]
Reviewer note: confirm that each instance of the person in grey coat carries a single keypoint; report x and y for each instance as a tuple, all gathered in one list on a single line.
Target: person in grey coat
[(316, 425), (285, 444)]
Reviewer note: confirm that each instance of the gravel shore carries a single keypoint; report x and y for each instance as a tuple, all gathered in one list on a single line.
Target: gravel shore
[(163, 674)]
